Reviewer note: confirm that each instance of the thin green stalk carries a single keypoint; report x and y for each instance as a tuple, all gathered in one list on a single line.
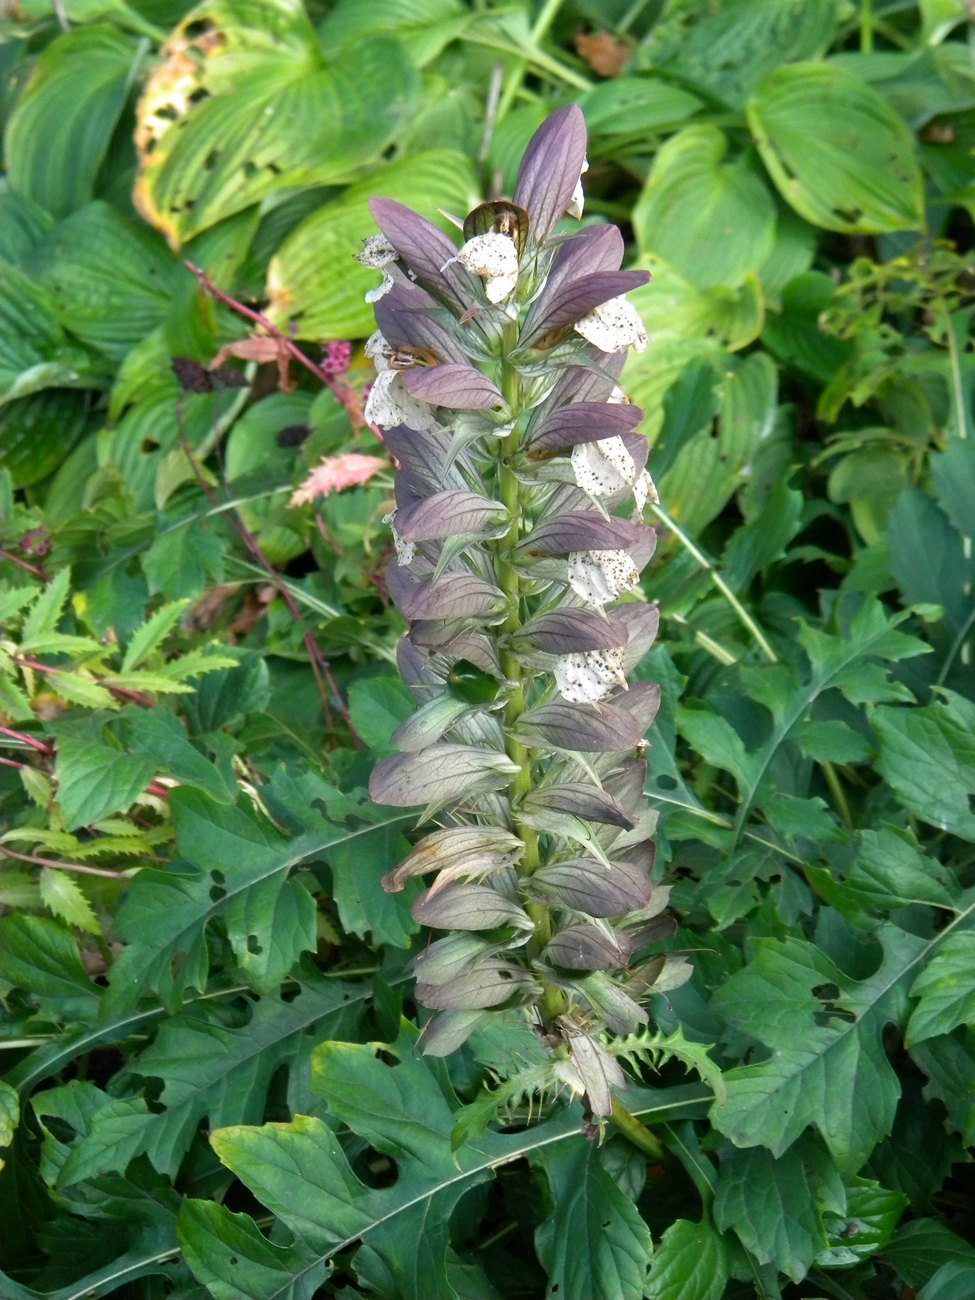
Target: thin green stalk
[(637, 1132), (839, 794), (866, 26), (718, 581), (540, 26)]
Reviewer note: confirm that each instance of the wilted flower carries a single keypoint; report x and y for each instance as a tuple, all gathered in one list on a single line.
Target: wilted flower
[(377, 253), (335, 473), (497, 388)]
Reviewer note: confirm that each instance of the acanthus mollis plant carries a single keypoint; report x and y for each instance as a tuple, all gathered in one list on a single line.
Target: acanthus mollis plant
[(519, 545)]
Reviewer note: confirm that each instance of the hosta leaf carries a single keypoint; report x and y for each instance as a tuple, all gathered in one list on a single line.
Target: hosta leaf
[(691, 1260), (423, 26), (835, 1075), (207, 151), (594, 1246), (314, 285), (109, 279), (62, 125), (711, 220), (837, 152)]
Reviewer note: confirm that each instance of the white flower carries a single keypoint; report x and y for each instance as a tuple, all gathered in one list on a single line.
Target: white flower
[(590, 677), (604, 467), (644, 490), (494, 257), (389, 404), (379, 350), (600, 576), (377, 253), (405, 550), (613, 326), (578, 197)]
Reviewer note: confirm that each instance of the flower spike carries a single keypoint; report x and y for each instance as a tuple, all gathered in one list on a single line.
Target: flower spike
[(519, 542)]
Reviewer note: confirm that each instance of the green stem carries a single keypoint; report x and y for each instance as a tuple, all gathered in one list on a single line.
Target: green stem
[(517, 75), (718, 581), (866, 26), (510, 492), (637, 1132)]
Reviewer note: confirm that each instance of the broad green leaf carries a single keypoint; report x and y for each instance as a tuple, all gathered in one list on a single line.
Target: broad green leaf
[(95, 777), (181, 562), (109, 279), (945, 989), (793, 336), (62, 895), (240, 866), (919, 1249), (300, 1172), (724, 49), (927, 755), (360, 841), (927, 556), (9, 1115), (691, 1262), (377, 707), (838, 154), (594, 1245), (23, 223), (953, 476), (864, 1227), (827, 1065), (949, 1064), (159, 737), (208, 151), (61, 127), (763, 540), (315, 287), (636, 105), (776, 1206), (36, 432), (423, 26), (113, 1139), (223, 1072), (672, 305), (650, 374), (41, 957), (713, 221), (889, 871)]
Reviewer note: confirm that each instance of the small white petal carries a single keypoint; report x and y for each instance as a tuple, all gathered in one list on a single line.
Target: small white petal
[(590, 677), (600, 576), (577, 202), (379, 350), (604, 467), (373, 295), (389, 404), (617, 397), (405, 551), (613, 326), (377, 252), (644, 490), (493, 257)]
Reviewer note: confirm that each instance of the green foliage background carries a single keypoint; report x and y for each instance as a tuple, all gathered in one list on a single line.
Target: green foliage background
[(210, 1086)]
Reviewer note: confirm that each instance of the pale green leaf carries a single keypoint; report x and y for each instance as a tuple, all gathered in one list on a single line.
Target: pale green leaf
[(691, 1262), (711, 220), (62, 894), (837, 152)]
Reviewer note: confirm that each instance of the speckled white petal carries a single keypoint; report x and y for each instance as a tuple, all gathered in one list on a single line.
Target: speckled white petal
[(389, 404), (644, 490), (377, 252), (600, 576), (577, 202), (604, 467), (590, 677), (405, 551), (613, 326), (378, 349), (381, 290), (493, 257)]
